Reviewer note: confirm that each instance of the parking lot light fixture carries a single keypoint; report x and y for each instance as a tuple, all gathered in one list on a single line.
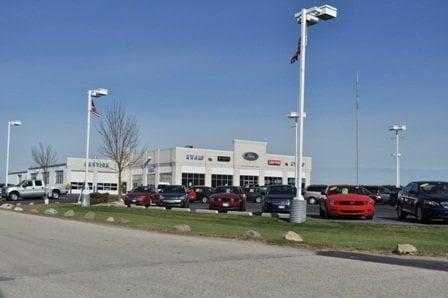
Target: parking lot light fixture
[(397, 129), (306, 17), (99, 92), (10, 123)]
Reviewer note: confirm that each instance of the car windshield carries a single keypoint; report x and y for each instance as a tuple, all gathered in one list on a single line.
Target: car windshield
[(346, 189), (281, 190), (172, 189), (143, 189), (228, 189), (433, 187)]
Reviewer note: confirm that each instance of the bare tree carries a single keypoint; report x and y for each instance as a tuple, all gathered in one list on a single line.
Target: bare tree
[(44, 156), (120, 139)]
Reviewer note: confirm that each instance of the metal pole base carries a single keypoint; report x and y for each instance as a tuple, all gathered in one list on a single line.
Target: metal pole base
[(85, 200), (298, 211)]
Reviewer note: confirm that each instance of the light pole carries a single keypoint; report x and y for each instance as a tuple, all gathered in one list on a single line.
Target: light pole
[(10, 123), (397, 129), (306, 17), (294, 116), (85, 197)]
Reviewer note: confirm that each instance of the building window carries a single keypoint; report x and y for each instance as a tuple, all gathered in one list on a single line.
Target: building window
[(166, 178), (192, 179), (219, 180), (106, 186), (80, 185), (33, 176), (248, 180), (272, 180), (59, 177), (291, 181)]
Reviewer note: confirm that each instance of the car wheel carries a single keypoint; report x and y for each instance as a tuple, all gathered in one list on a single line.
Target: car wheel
[(204, 200), (312, 200), (55, 194), (14, 196), (400, 213), (128, 205), (419, 215), (322, 212)]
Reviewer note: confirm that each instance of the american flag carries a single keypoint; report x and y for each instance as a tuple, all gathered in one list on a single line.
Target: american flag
[(295, 58), (94, 111)]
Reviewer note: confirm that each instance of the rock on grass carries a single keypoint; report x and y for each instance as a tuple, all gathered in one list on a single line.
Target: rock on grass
[(90, 215), (251, 234), (50, 211), (183, 228), (292, 236)]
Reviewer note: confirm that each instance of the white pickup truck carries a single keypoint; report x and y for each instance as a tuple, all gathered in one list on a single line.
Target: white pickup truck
[(28, 189)]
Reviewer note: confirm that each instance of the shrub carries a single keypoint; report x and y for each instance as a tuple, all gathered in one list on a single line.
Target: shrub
[(98, 198)]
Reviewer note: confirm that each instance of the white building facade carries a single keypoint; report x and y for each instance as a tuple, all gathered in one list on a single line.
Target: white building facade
[(102, 176), (247, 164)]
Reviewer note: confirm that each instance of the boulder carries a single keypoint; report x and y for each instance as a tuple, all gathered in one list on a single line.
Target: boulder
[(69, 213), (110, 219), (251, 234), (124, 221), (90, 215), (31, 204), (34, 211), (183, 228), (405, 249), (7, 206), (18, 204), (292, 236), (50, 211), (19, 209)]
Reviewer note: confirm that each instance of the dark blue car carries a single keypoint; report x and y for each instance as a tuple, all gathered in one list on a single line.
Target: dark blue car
[(425, 200), (278, 198)]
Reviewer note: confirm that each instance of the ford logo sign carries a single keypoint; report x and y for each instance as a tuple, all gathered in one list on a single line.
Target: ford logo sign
[(251, 156)]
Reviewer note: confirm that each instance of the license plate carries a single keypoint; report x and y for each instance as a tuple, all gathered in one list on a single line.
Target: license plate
[(281, 207), (225, 204)]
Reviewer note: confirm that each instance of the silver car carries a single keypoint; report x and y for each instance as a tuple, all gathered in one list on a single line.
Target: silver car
[(313, 193)]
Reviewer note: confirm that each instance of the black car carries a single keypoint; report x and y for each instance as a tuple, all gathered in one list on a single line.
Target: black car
[(425, 200), (172, 196), (253, 193), (203, 193), (278, 198)]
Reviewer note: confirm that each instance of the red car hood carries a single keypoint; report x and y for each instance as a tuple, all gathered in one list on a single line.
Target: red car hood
[(349, 197)]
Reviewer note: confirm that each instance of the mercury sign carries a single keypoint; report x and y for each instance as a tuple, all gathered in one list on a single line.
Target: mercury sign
[(274, 162), (250, 156)]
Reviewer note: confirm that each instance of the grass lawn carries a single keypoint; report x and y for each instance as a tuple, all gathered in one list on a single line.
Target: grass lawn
[(319, 234)]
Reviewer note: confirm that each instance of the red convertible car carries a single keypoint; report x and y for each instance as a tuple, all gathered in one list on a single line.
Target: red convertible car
[(227, 198), (142, 196), (347, 200)]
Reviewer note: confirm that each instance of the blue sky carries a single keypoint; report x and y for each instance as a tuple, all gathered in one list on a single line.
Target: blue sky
[(206, 72)]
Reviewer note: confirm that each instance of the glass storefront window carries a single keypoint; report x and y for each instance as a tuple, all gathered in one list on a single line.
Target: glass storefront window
[(222, 180)]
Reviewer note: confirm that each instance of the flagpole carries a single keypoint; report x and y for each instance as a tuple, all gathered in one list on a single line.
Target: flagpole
[(357, 126), (85, 198)]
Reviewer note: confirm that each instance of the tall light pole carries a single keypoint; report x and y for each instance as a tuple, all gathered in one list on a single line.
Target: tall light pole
[(357, 126), (85, 197), (10, 123), (306, 17), (295, 116), (397, 129)]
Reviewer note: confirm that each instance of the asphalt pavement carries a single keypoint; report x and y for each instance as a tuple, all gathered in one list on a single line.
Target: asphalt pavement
[(49, 257), (384, 214)]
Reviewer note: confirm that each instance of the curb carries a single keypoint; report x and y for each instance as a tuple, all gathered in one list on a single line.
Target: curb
[(156, 208), (242, 213), (181, 209), (207, 211)]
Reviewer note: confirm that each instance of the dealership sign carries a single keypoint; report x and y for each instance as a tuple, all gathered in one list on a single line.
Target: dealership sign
[(274, 162), (194, 157), (250, 156)]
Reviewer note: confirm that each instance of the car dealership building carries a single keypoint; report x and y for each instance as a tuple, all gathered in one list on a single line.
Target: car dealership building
[(247, 164)]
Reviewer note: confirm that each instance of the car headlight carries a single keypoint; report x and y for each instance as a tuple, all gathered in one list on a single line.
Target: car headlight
[(431, 203)]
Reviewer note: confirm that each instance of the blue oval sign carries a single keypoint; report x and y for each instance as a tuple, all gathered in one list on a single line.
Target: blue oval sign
[(251, 156)]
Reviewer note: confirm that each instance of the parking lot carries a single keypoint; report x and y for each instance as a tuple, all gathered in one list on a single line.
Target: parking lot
[(384, 214)]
